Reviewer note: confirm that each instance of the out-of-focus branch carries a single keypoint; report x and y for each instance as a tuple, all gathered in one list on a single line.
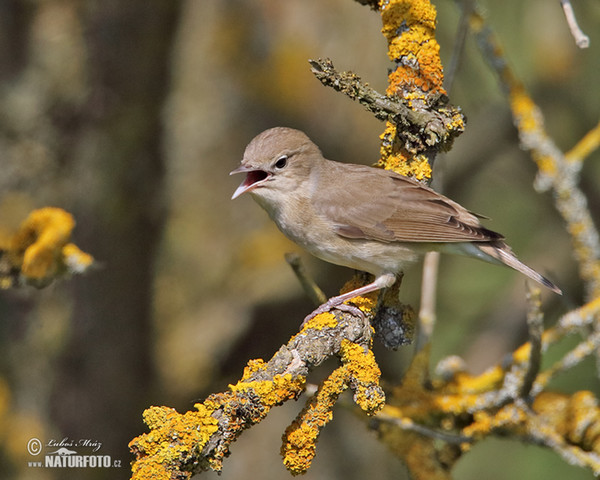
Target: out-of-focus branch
[(427, 313), (459, 43), (581, 39), (555, 171), (39, 251), (535, 329), (462, 409), (316, 295), (585, 146)]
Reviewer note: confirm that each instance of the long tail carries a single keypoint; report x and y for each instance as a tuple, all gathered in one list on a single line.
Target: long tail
[(500, 252)]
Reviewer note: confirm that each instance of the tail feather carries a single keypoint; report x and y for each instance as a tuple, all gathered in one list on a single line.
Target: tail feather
[(501, 253)]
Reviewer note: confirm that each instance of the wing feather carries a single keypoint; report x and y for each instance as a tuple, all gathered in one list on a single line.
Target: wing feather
[(394, 209)]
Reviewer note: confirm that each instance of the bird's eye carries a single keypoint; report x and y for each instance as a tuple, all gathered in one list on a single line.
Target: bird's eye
[(281, 162)]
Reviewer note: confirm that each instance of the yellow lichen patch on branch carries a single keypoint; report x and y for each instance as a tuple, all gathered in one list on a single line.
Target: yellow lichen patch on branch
[(409, 27), (410, 141), (38, 243), (358, 371), (397, 159), (364, 375), (172, 438), (585, 146), (366, 303), (272, 392), (176, 442), (418, 167), (321, 321), (76, 260), (300, 438), (39, 251)]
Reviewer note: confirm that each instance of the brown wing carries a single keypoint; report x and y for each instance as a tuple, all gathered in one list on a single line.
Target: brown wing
[(378, 204)]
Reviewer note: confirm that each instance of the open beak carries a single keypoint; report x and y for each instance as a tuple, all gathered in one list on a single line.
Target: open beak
[(253, 179)]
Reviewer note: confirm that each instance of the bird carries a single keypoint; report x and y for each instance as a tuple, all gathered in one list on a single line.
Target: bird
[(362, 217)]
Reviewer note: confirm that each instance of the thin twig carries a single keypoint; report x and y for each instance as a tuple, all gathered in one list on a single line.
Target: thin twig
[(408, 424), (459, 44), (310, 287), (582, 350), (581, 39), (535, 328), (585, 146)]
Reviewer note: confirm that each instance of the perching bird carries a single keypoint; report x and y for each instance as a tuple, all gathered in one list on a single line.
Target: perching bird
[(361, 217)]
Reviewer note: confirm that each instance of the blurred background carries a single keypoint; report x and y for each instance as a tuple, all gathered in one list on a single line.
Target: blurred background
[(130, 115)]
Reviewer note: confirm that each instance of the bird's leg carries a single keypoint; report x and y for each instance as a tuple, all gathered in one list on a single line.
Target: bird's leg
[(382, 281)]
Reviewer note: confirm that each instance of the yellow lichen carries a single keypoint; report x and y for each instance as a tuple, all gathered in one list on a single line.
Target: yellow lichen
[(272, 392), (418, 166), (409, 27), (321, 321), (463, 382), (589, 143), (39, 251), (300, 438), (75, 260), (364, 374), (38, 244), (173, 436), (365, 303), (358, 370)]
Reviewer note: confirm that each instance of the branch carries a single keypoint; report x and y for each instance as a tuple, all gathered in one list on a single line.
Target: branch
[(179, 445), (39, 251), (422, 125), (581, 39), (555, 171)]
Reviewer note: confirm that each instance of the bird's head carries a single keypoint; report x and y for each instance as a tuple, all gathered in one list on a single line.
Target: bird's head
[(276, 162)]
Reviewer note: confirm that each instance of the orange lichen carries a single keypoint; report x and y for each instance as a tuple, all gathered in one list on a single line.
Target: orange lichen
[(409, 27), (417, 82)]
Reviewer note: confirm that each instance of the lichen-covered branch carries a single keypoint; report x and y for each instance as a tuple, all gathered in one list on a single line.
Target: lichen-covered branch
[(420, 126), (428, 422), (179, 445), (462, 409), (40, 250), (555, 169), (409, 27)]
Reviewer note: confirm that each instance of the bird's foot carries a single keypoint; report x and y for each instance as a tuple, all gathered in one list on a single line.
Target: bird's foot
[(329, 305)]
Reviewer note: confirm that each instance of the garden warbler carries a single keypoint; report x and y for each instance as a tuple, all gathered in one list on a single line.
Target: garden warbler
[(361, 217)]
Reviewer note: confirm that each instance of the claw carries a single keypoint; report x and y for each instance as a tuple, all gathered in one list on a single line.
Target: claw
[(328, 306)]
